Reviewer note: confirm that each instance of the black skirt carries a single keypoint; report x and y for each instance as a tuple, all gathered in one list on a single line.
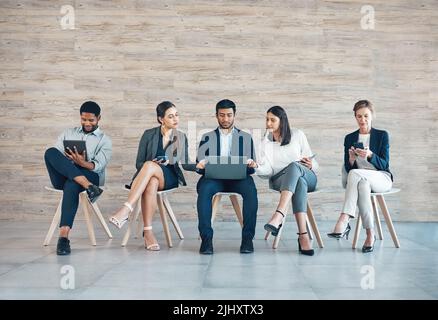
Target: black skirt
[(170, 177)]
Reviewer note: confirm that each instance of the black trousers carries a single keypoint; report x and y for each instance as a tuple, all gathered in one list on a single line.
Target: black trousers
[(207, 188), (62, 172)]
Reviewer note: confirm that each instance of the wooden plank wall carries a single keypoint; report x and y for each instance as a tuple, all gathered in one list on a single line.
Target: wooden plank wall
[(312, 57)]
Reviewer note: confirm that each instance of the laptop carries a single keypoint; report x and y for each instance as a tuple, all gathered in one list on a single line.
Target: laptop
[(226, 168)]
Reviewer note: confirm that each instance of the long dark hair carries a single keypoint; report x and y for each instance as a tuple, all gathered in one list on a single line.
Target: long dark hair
[(285, 132), (162, 108)]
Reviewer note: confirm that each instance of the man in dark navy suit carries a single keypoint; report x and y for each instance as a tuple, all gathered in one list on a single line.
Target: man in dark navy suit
[(226, 141)]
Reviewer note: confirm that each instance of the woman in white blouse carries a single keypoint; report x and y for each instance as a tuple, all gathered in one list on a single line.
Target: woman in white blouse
[(287, 161)]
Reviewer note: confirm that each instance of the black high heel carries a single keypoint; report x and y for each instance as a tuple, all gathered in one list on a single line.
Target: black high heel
[(340, 235), (309, 252), (273, 229), (366, 249)]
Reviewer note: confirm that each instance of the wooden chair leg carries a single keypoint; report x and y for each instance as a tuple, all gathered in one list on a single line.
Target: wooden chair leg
[(53, 225), (139, 219), (128, 232), (163, 214), (131, 224), (235, 203), (172, 217), (312, 221), (214, 206), (388, 220), (84, 200), (308, 228), (376, 217), (276, 240), (95, 208), (356, 231), (278, 236)]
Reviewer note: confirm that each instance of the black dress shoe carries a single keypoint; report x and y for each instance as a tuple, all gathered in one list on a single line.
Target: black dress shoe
[(206, 246), (246, 246), (340, 235), (93, 193), (309, 252), (366, 249), (273, 229), (63, 247)]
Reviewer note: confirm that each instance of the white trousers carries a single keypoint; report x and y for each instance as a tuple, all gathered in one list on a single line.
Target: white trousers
[(360, 183)]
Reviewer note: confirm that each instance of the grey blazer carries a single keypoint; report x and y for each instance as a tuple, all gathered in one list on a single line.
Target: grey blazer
[(177, 151)]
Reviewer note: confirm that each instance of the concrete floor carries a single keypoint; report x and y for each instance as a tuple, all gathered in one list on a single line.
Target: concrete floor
[(108, 271)]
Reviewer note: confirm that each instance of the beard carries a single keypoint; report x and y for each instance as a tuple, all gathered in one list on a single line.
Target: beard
[(226, 126), (92, 128)]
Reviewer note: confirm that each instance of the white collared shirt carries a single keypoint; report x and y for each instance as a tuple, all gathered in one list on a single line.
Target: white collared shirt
[(225, 143), (273, 157)]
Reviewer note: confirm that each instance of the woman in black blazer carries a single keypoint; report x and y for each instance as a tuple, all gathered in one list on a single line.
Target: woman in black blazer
[(159, 153), (366, 161)]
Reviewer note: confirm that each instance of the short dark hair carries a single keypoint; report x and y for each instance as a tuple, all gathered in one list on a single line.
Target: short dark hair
[(91, 107), (285, 132), (225, 104), (162, 108)]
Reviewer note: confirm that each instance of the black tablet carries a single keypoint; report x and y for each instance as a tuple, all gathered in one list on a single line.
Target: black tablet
[(71, 144)]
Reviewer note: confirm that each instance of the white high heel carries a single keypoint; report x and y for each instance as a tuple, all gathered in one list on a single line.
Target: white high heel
[(153, 246), (120, 223)]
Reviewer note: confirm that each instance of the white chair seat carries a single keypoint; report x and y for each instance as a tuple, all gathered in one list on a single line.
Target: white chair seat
[(392, 191)]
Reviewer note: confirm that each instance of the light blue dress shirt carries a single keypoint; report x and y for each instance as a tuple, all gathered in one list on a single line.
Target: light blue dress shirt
[(98, 144)]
